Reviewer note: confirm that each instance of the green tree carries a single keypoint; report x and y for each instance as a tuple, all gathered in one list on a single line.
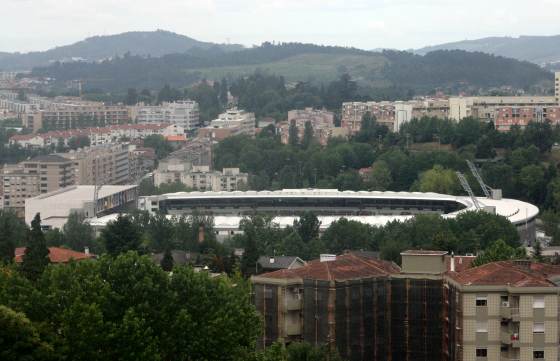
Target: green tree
[(19, 340), (439, 180), (36, 256), (293, 137), (167, 261), (307, 226), (380, 178), (499, 251), (13, 232), (121, 236), (77, 234), (307, 135), (344, 234), (131, 97), (160, 145)]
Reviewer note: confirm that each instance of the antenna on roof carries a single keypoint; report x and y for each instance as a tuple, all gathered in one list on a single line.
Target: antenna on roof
[(466, 186)]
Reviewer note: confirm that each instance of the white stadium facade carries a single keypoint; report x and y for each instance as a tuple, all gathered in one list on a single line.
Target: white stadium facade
[(374, 208)]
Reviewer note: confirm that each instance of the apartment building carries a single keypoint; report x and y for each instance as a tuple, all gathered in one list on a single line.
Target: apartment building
[(504, 311), (54, 171), (199, 177), (103, 164), (16, 187), (486, 108), (96, 136), (184, 113), (507, 117), (71, 116), (232, 122), (436, 307), (321, 121), (392, 114)]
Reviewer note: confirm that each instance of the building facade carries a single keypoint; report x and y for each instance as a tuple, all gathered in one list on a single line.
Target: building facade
[(103, 164), (430, 309), (54, 172), (321, 121), (184, 113), (199, 177), (232, 122)]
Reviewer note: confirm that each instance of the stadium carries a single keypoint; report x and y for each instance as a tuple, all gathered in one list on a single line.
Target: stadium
[(374, 208)]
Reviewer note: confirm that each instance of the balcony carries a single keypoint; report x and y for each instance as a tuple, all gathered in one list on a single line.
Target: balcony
[(293, 304), (293, 329), (510, 338), (509, 313)]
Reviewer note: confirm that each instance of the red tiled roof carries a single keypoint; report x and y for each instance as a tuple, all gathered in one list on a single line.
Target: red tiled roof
[(345, 267), (510, 273), (176, 138), (87, 131), (56, 255)]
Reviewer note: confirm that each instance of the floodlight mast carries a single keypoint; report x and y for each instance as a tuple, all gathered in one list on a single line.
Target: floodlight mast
[(468, 189)]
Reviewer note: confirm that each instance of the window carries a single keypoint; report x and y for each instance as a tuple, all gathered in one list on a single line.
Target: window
[(538, 327), (538, 354), (481, 326), (481, 301), (538, 301), (481, 352)]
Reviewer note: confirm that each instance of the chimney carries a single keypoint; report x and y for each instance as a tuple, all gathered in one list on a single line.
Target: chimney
[(452, 262), (86, 250), (327, 257), (200, 233), (271, 260)]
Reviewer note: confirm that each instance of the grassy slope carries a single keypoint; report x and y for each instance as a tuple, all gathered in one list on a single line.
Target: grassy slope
[(309, 67)]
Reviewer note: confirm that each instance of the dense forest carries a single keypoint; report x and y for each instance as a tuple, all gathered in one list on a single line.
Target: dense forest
[(374, 71)]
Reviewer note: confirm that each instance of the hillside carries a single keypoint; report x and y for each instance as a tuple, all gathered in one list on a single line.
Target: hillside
[(306, 62), (536, 49), (142, 43)]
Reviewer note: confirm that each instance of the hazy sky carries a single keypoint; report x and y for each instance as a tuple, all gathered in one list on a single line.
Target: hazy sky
[(41, 24)]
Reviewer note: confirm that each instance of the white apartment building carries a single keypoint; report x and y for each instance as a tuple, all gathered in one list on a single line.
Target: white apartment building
[(184, 113), (233, 122), (486, 108), (97, 136)]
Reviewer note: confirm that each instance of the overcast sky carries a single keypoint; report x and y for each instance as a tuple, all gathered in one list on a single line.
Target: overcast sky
[(41, 24)]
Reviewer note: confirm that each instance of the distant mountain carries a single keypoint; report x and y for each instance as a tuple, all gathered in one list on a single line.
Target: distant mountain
[(390, 73), (142, 43), (536, 49)]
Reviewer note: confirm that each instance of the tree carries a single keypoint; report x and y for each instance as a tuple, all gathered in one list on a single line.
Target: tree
[(160, 231), (344, 234), (499, 251), (224, 92), (380, 178), (293, 138), (537, 252), (160, 145), (121, 236), (307, 135), (131, 97), (19, 340), (36, 256), (307, 226), (439, 180), (167, 261), (77, 234), (13, 232)]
